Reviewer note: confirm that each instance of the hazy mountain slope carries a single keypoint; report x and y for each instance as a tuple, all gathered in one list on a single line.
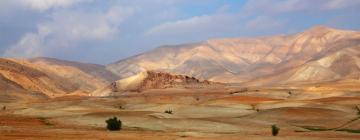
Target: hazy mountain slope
[(51, 77), (84, 76), (242, 59), (343, 64), (20, 75), (12, 92)]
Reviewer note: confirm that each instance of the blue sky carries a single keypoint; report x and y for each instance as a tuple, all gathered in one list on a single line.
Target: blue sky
[(104, 31)]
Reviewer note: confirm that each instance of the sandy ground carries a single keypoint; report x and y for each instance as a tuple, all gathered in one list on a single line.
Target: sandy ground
[(197, 114)]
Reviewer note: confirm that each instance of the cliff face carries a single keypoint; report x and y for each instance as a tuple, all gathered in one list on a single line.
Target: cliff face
[(158, 80), (153, 80)]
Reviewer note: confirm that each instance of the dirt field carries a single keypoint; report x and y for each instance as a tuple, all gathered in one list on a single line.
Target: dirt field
[(197, 114)]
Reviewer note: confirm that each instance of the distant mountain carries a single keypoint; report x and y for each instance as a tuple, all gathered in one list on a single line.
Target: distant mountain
[(318, 54), (87, 77), (51, 77)]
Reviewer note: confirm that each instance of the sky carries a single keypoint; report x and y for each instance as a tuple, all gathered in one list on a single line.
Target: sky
[(105, 31)]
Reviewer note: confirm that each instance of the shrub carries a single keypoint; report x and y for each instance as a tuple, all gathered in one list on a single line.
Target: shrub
[(168, 111), (275, 130), (358, 109), (45, 121), (113, 124)]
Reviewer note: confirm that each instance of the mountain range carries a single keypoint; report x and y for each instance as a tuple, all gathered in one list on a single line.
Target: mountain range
[(317, 55)]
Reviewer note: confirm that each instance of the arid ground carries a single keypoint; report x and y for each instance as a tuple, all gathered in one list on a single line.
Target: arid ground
[(218, 114)]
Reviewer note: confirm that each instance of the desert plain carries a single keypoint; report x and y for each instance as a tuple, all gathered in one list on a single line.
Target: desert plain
[(222, 113)]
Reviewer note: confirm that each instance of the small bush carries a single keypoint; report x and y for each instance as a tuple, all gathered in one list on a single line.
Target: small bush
[(168, 111), (113, 124), (358, 109), (45, 121), (275, 130)]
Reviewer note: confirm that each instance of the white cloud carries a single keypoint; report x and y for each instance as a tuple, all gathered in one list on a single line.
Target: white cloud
[(264, 12), (181, 25), (264, 23), (198, 25), (338, 4), (30, 45), (67, 28), (43, 5), (269, 7)]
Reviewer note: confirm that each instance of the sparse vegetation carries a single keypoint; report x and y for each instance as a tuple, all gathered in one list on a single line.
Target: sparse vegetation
[(4, 108), (339, 128), (231, 92), (358, 109), (168, 111), (45, 121), (253, 107), (113, 124), (350, 130), (275, 130), (313, 128)]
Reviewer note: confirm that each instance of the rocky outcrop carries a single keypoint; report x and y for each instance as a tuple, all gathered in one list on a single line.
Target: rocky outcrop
[(153, 80), (159, 80)]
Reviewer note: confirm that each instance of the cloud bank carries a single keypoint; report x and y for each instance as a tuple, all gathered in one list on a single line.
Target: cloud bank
[(88, 30)]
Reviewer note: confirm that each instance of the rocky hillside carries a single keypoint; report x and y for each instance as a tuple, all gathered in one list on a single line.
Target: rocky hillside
[(317, 54), (153, 80), (19, 75), (86, 77), (51, 77)]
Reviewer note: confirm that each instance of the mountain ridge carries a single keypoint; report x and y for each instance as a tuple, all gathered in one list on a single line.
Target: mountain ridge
[(240, 59), (317, 55)]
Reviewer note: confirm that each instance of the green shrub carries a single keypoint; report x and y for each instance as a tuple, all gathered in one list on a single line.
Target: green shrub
[(113, 124), (45, 121), (168, 111), (275, 130), (350, 130)]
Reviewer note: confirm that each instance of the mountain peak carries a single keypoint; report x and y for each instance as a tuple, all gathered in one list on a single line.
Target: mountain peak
[(319, 30)]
